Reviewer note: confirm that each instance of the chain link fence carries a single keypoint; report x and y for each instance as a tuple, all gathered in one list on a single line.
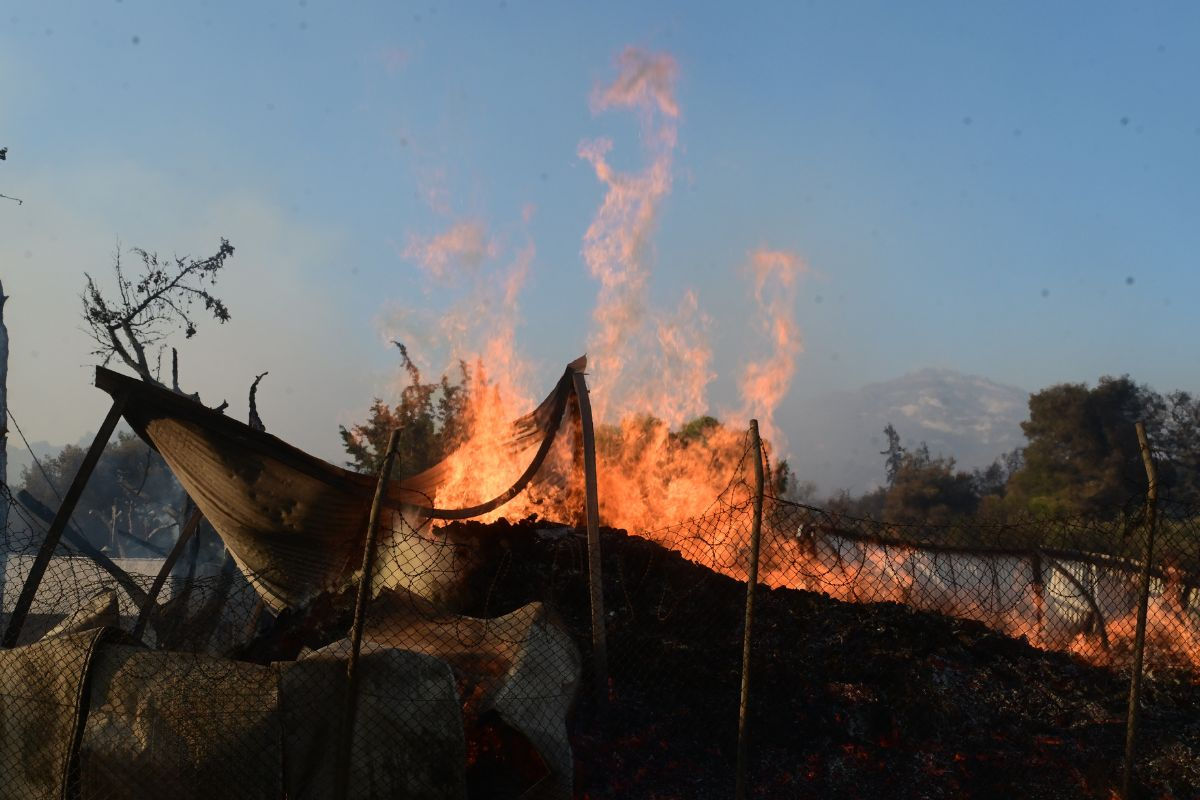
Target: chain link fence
[(476, 651), (1062, 584)]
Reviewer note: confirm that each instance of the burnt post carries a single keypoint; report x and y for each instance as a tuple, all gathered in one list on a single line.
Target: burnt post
[(751, 582), (148, 605), (1039, 595), (595, 575), (350, 710), (1139, 638), (38, 570)]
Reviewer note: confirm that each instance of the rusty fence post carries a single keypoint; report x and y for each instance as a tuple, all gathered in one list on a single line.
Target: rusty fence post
[(350, 710), (751, 583), (1139, 639), (38, 569), (595, 573), (1039, 596)]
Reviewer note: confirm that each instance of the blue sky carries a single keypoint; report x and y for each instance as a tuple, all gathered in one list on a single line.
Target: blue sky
[(1008, 190)]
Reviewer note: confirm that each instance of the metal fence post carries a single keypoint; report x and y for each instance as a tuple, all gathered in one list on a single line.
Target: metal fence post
[(1039, 596), (346, 737), (38, 570), (751, 582), (595, 576), (1139, 640)]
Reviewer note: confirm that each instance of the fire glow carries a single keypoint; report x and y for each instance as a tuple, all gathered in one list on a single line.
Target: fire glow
[(649, 370), (998, 590)]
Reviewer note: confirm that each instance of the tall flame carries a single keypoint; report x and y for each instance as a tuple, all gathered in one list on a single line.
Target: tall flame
[(617, 245), (650, 371), (463, 247), (479, 330), (765, 383), (650, 368)]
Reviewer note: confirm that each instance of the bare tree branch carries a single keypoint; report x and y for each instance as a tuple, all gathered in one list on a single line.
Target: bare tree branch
[(151, 305)]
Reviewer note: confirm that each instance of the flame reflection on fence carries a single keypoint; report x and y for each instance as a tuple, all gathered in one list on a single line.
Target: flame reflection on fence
[(1058, 598)]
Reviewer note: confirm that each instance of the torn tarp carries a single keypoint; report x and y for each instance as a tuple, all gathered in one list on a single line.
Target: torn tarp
[(293, 522)]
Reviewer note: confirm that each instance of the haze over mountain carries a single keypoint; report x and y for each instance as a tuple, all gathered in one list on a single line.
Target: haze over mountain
[(836, 438)]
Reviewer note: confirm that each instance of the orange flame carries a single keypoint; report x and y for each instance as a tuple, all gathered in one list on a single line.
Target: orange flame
[(650, 369), (616, 246), (764, 383), (650, 372), (464, 247)]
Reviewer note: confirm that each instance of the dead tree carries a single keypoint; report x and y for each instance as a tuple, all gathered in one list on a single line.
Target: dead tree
[(149, 306)]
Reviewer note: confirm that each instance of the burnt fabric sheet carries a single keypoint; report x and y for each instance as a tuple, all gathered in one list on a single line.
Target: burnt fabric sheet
[(42, 692), (86, 716), (180, 726), (523, 665), (408, 729), (294, 523)]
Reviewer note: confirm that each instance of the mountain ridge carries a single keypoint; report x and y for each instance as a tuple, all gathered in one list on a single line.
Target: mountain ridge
[(970, 418)]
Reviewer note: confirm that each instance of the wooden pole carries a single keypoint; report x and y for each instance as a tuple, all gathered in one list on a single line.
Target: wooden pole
[(3, 409), (1139, 639), (38, 570), (148, 605), (595, 573), (346, 739), (1039, 597), (751, 582)]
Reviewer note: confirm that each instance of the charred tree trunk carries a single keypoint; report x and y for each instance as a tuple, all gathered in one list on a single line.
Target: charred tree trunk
[(3, 412)]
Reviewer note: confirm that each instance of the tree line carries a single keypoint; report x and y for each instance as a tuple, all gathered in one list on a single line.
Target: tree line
[(1082, 458)]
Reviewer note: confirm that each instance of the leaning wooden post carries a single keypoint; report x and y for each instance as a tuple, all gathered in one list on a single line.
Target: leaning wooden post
[(595, 573), (38, 570), (350, 710), (751, 582), (1139, 638), (149, 605)]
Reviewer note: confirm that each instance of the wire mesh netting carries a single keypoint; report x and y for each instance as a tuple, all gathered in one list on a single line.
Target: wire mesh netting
[(1063, 584), (137, 678)]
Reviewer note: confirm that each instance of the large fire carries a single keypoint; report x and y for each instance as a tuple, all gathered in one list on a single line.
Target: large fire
[(649, 370), (660, 461)]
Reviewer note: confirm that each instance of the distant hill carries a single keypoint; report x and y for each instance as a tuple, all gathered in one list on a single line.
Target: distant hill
[(837, 440)]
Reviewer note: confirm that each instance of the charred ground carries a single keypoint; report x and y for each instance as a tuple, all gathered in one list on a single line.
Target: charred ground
[(847, 701)]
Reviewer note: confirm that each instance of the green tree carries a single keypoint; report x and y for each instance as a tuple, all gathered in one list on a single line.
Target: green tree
[(928, 489), (1180, 447), (992, 480), (131, 504), (697, 430), (1083, 455), (433, 418)]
